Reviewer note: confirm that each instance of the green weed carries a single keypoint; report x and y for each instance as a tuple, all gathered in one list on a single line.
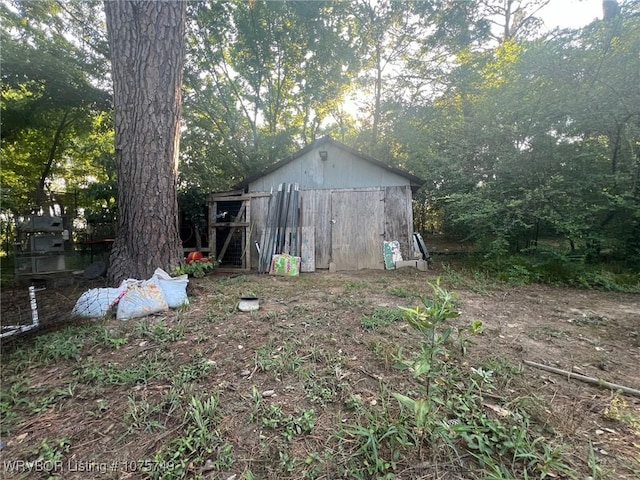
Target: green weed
[(354, 286), (151, 367), (158, 332), (52, 452), (381, 316), (142, 415), (376, 442), (278, 360), (288, 425), (199, 441), (107, 337), (451, 403), (384, 350), (400, 292)]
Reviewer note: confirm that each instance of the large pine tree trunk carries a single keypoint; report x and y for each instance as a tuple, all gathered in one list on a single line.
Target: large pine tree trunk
[(146, 39)]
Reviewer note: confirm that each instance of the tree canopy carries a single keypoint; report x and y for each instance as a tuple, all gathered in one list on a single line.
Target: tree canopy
[(519, 133)]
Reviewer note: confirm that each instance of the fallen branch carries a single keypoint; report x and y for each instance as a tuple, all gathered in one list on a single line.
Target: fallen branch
[(584, 378)]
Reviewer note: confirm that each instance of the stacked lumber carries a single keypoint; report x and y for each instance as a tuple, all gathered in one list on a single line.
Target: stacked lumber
[(282, 232)]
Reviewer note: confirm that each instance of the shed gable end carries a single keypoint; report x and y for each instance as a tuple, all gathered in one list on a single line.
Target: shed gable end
[(339, 169)]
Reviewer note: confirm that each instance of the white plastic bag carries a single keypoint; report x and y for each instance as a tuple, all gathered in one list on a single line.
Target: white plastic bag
[(142, 298), (174, 289), (95, 303)]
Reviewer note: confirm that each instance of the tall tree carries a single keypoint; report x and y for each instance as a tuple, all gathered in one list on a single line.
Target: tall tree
[(538, 136), (53, 114), (261, 80), (513, 19), (146, 39)]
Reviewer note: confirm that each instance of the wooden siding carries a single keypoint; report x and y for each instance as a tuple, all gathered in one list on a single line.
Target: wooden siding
[(341, 170), (391, 217), (398, 218), (357, 229)]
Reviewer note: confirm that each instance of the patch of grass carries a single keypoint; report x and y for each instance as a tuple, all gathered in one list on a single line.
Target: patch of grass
[(545, 333), (198, 368), (64, 344), (451, 406), (199, 441), (142, 415), (349, 300), (151, 367), (158, 331), (468, 277), (554, 267), (11, 401), (381, 317), (52, 451), (53, 397), (620, 411), (324, 386), (110, 338), (384, 350), (217, 315), (401, 292), (373, 446), (288, 425), (351, 286), (279, 360)]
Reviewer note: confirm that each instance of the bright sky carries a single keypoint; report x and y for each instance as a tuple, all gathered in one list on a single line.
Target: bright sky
[(570, 13)]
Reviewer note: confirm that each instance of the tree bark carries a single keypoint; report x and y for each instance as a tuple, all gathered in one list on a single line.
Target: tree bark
[(146, 40)]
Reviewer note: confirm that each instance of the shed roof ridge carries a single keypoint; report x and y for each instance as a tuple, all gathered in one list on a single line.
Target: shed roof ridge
[(322, 141)]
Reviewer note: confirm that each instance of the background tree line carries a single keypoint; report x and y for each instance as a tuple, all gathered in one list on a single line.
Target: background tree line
[(520, 134)]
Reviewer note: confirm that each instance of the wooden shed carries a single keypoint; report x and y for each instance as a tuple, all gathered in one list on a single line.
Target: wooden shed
[(349, 204)]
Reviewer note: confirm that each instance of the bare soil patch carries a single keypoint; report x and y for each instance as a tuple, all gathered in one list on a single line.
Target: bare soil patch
[(113, 396)]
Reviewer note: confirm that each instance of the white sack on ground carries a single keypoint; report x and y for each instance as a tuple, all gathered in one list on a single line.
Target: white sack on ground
[(141, 299), (174, 289), (95, 303)]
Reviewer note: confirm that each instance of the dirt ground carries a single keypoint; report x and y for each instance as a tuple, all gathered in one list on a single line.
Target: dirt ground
[(316, 321)]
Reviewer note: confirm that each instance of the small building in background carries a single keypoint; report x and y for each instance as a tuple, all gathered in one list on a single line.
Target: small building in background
[(347, 205)]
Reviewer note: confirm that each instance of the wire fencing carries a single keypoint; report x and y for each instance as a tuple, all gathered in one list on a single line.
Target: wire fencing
[(28, 308)]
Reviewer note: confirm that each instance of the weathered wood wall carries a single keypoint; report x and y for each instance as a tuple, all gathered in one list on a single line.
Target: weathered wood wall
[(398, 218), (364, 217)]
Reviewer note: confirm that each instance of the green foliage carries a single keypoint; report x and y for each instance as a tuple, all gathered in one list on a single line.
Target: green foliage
[(452, 405), (279, 360), (400, 292), (377, 440), (108, 337), (53, 451), (199, 441), (196, 269), (158, 332), (431, 363), (151, 367), (508, 160), (552, 266), (289, 425), (381, 317), (142, 415), (55, 121), (64, 344)]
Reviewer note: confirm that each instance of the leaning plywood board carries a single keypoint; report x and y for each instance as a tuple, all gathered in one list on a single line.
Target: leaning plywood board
[(308, 249), (398, 217)]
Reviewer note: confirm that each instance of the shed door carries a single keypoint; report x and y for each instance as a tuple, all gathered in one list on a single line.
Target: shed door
[(357, 229)]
